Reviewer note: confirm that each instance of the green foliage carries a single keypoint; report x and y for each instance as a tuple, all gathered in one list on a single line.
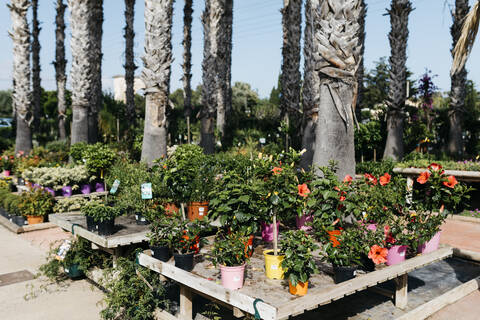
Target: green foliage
[(72, 204), (369, 137), (36, 203), (350, 249), (376, 168), (229, 250), (100, 212), (77, 150), (10, 202), (99, 158), (6, 109), (161, 231), (299, 263)]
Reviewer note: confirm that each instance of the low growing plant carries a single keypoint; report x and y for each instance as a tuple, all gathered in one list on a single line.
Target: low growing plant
[(36, 203), (229, 250), (100, 212)]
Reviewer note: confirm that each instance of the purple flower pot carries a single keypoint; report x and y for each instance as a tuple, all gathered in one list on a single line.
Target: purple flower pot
[(396, 254), (36, 186), (430, 245), (67, 191), (50, 190), (301, 222), (99, 187), (85, 189), (267, 231)]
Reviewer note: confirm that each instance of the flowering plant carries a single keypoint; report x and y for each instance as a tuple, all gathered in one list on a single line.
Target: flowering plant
[(7, 162), (229, 250), (349, 249), (186, 236)]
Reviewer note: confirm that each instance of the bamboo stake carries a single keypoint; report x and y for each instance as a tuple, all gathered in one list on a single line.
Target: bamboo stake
[(182, 205), (275, 231)]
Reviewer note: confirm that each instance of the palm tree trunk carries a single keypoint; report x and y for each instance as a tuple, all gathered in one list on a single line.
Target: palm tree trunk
[(36, 81), (228, 52), (458, 84), (187, 63), (290, 77), (336, 56), (60, 64), (22, 96), (156, 75), (399, 12), (130, 62), (96, 32), (361, 67)]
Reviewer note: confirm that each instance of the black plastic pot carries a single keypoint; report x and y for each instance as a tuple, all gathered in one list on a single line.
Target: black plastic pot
[(184, 261), (141, 220), (12, 187), (20, 182), (20, 221), (161, 253), (74, 271), (106, 227), (344, 273), (91, 224), (3, 213), (367, 264)]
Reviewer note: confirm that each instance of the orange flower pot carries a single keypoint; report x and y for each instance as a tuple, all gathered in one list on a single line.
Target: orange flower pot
[(170, 208), (34, 219), (333, 237), (300, 289), (197, 210)]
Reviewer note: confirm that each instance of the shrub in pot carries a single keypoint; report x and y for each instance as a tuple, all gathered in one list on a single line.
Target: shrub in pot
[(35, 205), (186, 242), (298, 263), (229, 253), (102, 215), (161, 237), (398, 238)]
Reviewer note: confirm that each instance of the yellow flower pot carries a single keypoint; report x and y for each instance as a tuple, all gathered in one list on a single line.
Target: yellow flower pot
[(273, 267)]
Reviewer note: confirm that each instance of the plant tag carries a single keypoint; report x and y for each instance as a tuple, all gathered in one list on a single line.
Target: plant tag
[(236, 279), (63, 249), (114, 188), (401, 254), (136, 216), (262, 140), (147, 191), (142, 219), (67, 270), (201, 211), (355, 273), (274, 267)]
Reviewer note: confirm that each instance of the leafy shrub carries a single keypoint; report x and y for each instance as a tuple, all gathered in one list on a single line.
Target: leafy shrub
[(100, 212), (36, 203), (229, 250)]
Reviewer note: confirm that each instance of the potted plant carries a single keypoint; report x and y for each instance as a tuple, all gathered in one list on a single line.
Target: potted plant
[(298, 263), (98, 159), (101, 215), (163, 191), (229, 253), (161, 236), (186, 243), (6, 164), (398, 238), (35, 205)]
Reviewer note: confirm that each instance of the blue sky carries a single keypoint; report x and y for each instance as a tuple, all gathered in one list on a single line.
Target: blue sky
[(257, 41)]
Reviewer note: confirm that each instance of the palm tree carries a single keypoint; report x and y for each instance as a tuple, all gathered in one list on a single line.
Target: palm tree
[(22, 96), (60, 64), (156, 75), (96, 102), (399, 12), (82, 71), (335, 54), (187, 63), (290, 77), (458, 84), (361, 67), (130, 62), (36, 81), (228, 53)]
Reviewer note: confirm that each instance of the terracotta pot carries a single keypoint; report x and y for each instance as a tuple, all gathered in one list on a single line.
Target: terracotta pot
[(333, 237), (197, 210), (300, 289), (170, 208), (35, 219)]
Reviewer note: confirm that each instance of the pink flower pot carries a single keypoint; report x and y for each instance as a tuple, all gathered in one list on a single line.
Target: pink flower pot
[(6, 173), (232, 277), (396, 254), (430, 245), (267, 231), (301, 222)]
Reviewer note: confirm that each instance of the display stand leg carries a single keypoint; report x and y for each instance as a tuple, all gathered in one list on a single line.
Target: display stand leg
[(401, 291), (185, 303)]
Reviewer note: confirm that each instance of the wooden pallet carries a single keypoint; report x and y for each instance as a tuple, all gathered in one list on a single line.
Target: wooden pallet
[(277, 302), (26, 228)]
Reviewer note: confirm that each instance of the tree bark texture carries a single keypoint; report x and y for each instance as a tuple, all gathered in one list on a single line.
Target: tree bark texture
[(130, 66), (336, 55), (187, 58), (156, 75), (60, 64), (36, 81), (22, 95), (398, 37), (361, 67), (458, 84)]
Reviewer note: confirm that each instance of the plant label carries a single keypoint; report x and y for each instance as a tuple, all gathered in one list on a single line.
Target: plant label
[(63, 249), (401, 254), (236, 279), (147, 191), (201, 211), (274, 267), (114, 188)]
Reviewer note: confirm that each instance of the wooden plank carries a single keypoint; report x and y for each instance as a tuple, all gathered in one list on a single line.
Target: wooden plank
[(93, 194), (459, 174), (163, 315), (401, 292), (38, 226), (186, 303), (322, 295), (463, 218), (232, 297), (466, 254), (438, 303), (78, 230), (9, 225), (382, 291)]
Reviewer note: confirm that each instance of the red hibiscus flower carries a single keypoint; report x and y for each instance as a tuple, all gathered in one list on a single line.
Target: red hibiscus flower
[(451, 182), (378, 254), (303, 190), (342, 198), (434, 167), (277, 170), (348, 178), (423, 178), (371, 179), (385, 179)]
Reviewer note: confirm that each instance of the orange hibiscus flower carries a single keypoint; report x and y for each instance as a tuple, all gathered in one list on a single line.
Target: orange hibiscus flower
[(423, 178), (277, 170), (451, 182), (348, 178), (378, 254), (371, 179), (303, 190), (385, 179), (434, 167)]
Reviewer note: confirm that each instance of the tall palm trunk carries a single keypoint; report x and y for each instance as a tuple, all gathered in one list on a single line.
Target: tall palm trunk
[(36, 81), (156, 75), (22, 96), (361, 67), (310, 88), (458, 84), (60, 64), (187, 63), (397, 94), (82, 71), (335, 57), (228, 53), (130, 62), (96, 32), (290, 77)]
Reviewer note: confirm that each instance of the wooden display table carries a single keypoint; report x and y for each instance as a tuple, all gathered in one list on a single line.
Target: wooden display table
[(276, 302), (467, 176)]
